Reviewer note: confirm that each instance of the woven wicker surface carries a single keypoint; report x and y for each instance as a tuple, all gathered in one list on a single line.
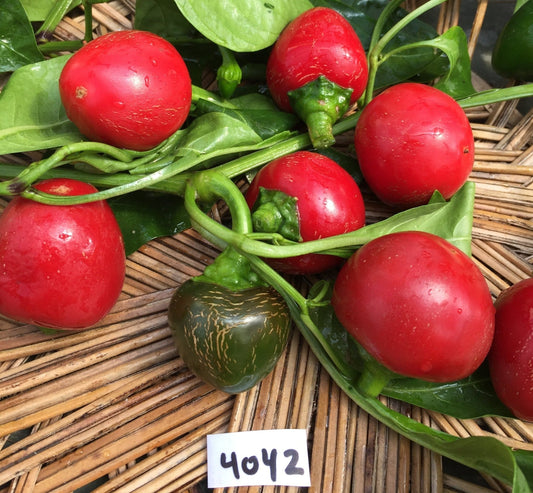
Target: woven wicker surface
[(116, 403)]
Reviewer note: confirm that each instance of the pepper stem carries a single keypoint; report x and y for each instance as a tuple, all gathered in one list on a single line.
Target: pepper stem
[(320, 103), (276, 212), (229, 74)]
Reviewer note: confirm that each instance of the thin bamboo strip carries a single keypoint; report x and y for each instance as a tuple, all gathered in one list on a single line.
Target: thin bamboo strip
[(486, 132), (380, 471), (125, 314), (323, 463), (26, 482), (503, 211), (503, 114), (75, 358), (453, 484), (501, 260), (147, 408), (492, 161), (509, 234), (122, 446), (448, 15), (361, 446), (155, 280), (30, 403), (110, 11), (477, 26), (152, 261), (98, 417), (417, 459), (101, 403), (164, 460), (509, 194), (501, 426), (520, 135), (345, 443), (525, 158)]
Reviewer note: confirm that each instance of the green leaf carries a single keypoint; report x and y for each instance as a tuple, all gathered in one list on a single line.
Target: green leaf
[(451, 220), (17, 44), (457, 82), (163, 18), (216, 130), (256, 111), (241, 25), (469, 398), (31, 114), (37, 10), (143, 216)]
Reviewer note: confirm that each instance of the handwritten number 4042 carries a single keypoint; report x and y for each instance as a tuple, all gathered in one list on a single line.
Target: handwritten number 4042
[(250, 465)]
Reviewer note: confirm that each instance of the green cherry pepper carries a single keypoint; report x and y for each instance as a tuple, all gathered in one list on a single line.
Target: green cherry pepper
[(229, 326), (229, 339), (512, 56)]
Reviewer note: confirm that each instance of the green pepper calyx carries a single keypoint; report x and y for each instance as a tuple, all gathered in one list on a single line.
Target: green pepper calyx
[(320, 103), (276, 212)]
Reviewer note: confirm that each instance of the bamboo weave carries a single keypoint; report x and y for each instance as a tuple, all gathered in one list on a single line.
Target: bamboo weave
[(115, 406)]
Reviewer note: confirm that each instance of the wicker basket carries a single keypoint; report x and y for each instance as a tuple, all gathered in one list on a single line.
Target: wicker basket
[(115, 409)]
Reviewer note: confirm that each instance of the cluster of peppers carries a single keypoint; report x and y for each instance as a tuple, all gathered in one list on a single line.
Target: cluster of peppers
[(232, 323)]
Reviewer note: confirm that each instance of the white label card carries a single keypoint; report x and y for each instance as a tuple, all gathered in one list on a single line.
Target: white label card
[(258, 458)]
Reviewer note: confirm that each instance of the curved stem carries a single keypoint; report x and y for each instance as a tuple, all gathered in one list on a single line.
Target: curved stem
[(211, 185), (377, 44), (35, 171), (124, 183)]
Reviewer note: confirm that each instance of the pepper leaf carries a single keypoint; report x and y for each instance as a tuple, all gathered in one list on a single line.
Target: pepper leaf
[(256, 110), (31, 114), (17, 46), (143, 216), (457, 82), (37, 10), (256, 26)]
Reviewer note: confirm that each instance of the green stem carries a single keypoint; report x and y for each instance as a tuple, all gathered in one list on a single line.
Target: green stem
[(35, 170), (56, 46), (211, 185), (88, 9), (126, 184), (378, 44), (497, 95)]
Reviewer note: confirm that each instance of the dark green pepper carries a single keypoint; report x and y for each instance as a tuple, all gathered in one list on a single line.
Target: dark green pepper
[(229, 326), (512, 56), (230, 339)]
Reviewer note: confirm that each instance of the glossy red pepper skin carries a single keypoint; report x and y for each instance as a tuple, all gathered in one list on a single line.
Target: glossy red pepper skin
[(511, 355), (130, 89), (61, 266), (318, 42), (328, 202)]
